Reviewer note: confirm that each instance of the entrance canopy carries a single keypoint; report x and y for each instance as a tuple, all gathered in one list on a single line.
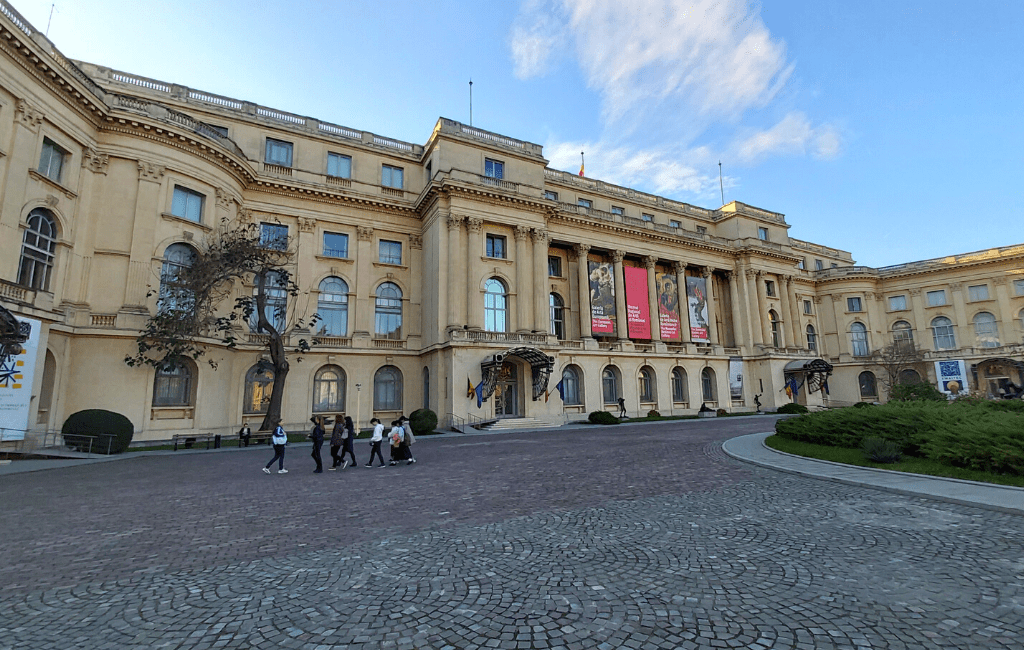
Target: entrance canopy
[(540, 365), (817, 371)]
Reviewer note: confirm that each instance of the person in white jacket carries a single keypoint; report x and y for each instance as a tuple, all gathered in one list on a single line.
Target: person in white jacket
[(280, 439), (375, 441)]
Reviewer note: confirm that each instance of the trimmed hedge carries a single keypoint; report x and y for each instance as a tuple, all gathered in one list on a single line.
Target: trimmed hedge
[(423, 421), (99, 431), (916, 391), (602, 417), (792, 407)]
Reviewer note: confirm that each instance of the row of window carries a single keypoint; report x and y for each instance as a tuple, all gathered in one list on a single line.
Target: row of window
[(279, 152), (986, 331)]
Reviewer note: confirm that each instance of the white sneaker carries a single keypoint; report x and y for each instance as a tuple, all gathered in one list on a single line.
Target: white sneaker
[(266, 470), (282, 471)]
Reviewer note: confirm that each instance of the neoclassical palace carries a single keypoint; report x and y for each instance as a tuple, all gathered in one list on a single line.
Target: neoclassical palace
[(461, 274)]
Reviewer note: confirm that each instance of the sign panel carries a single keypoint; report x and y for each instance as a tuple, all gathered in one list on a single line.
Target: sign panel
[(697, 305), (16, 374), (736, 379), (638, 306), (668, 306), (602, 298), (952, 377)]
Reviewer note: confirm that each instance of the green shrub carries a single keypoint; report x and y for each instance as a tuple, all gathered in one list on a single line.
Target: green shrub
[(602, 417), (721, 413), (423, 421), (792, 407), (99, 430), (653, 414), (881, 451), (920, 391), (863, 405)]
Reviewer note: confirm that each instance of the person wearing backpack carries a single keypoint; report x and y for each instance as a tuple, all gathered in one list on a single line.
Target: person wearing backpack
[(396, 437), (348, 437), (279, 440), (408, 440)]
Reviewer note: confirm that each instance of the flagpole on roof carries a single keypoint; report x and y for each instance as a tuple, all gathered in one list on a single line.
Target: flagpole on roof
[(721, 185), (471, 102)]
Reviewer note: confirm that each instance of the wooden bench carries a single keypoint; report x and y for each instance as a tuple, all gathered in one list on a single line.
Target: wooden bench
[(189, 439), (258, 438)]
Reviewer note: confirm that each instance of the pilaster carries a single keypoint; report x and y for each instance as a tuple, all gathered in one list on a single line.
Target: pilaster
[(541, 313), (583, 289), (708, 274), (474, 251), (651, 264), (524, 279), (620, 296)]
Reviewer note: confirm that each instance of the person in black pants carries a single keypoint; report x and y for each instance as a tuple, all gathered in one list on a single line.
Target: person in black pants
[(336, 441), (318, 441), (347, 442)]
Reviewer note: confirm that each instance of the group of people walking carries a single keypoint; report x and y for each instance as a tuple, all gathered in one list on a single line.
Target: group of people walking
[(400, 440)]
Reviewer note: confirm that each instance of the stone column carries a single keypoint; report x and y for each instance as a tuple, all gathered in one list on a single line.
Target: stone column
[(651, 262), (1004, 315), (684, 309), (876, 319), (541, 311), (845, 345), (455, 288), (147, 201), (961, 325), (788, 339), (366, 301), (620, 296), (797, 336), (709, 282), (922, 337), (762, 308), (757, 333), (474, 251), (583, 280), (738, 338), (524, 280)]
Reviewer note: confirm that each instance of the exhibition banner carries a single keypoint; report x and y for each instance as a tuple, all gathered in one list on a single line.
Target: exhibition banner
[(638, 306), (668, 306), (602, 298), (697, 306), (952, 376), (16, 374), (736, 378)]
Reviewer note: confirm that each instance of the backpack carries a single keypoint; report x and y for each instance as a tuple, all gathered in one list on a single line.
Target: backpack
[(280, 437), (409, 438)]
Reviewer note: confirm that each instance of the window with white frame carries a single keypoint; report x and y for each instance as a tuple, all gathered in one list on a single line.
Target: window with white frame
[(389, 252), (702, 230), (275, 291), (332, 307), (259, 384), (647, 217), (387, 389), (572, 387), (329, 390), (679, 392), (808, 308), (495, 306), (868, 385), (388, 311), (986, 330), (187, 204), (708, 389), (495, 246), (550, 195), (977, 292), (335, 245), (610, 385), (1018, 287), (618, 210), (494, 168), (812, 339), (773, 319), (175, 386), (51, 160), (393, 177), (853, 304), (897, 303), (942, 333), (646, 384), (903, 336), (936, 298), (676, 223), (769, 288), (859, 339), (38, 247), (174, 294), (585, 203), (339, 165), (557, 306), (278, 152), (802, 264), (762, 234), (818, 265), (274, 236)]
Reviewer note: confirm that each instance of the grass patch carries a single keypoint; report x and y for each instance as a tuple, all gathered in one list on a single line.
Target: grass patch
[(848, 456)]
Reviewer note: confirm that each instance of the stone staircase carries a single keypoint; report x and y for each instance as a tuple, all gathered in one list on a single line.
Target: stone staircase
[(510, 424)]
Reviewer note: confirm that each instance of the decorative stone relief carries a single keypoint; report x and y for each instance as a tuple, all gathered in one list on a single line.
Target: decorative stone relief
[(581, 250), (306, 224), (836, 297), (522, 233), (28, 115), (416, 242), (915, 292), (750, 273), (245, 215), (729, 275), (706, 272), (95, 161), (474, 224), (679, 268), (364, 233), (870, 295), (454, 221), (223, 199), (618, 256), (150, 171), (956, 286), (650, 261), (540, 236), (52, 200)]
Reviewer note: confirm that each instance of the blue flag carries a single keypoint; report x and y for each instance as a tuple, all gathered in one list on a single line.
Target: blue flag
[(824, 386), (479, 390), (561, 389), (793, 386)]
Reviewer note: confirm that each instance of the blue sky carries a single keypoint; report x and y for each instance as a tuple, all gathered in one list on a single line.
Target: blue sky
[(889, 129)]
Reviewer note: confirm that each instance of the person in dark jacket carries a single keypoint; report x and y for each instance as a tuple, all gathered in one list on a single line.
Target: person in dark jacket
[(336, 442), (317, 436), (348, 443), (244, 434)]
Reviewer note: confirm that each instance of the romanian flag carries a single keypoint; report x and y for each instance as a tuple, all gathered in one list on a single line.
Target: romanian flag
[(581, 169), (470, 391)]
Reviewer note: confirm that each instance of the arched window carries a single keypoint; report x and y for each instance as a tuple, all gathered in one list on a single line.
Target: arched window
[(387, 389), (610, 385), (942, 333), (572, 388), (812, 339), (868, 385), (175, 386), (332, 306), (37, 248), (859, 339), (426, 387), (708, 390), (909, 376), (276, 306), (174, 296), (495, 306), (388, 321), (679, 392), (903, 336), (773, 318), (329, 390), (557, 316), (647, 385), (259, 384), (986, 330)]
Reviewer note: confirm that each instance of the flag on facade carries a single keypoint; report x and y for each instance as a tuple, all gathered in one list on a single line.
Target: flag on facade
[(470, 390), (789, 390), (824, 387), (479, 390), (581, 169), (581, 163), (792, 389), (560, 386)]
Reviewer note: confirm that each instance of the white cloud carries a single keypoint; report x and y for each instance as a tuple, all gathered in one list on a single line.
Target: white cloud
[(535, 35), (793, 135)]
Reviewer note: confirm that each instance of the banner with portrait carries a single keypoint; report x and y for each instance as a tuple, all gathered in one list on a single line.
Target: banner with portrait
[(602, 297), (638, 306), (697, 306), (952, 377), (668, 306)]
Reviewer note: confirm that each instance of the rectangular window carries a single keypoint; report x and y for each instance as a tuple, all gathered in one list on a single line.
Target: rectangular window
[(554, 266), (618, 210), (1018, 287), (769, 288), (496, 246), (807, 307), (834, 265), (853, 304), (937, 298), (701, 230), (550, 196), (647, 217), (393, 177), (51, 161), (335, 245), (585, 203), (818, 265), (390, 252), (977, 292), (494, 168), (279, 152), (675, 223), (897, 303), (762, 234), (339, 166), (274, 235), (802, 264), (187, 204), (223, 130)]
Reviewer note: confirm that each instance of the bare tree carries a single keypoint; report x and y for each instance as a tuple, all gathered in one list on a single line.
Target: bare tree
[(894, 359), (194, 312)]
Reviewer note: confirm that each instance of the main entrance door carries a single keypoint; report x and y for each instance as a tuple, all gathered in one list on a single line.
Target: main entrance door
[(506, 392)]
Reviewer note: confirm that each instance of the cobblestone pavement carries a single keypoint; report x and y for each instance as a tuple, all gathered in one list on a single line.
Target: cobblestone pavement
[(623, 537)]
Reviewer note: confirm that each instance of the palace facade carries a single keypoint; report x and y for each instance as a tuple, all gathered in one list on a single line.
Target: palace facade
[(443, 272)]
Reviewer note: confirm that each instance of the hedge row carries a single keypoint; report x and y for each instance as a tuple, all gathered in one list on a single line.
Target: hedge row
[(980, 435)]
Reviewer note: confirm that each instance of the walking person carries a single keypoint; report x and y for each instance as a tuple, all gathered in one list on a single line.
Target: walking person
[(348, 438), (396, 437), (336, 442), (279, 439), (244, 434), (622, 407), (317, 436), (375, 440), (408, 441)]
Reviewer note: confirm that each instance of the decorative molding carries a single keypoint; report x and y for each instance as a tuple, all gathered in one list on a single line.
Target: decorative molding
[(52, 200), (454, 221), (29, 116), (416, 242), (650, 261), (836, 297), (95, 161), (223, 199), (956, 286), (150, 171), (786, 279), (522, 233), (581, 250), (750, 273), (539, 236), (245, 215), (706, 272), (915, 292), (999, 282), (679, 268), (307, 224), (870, 295), (473, 224), (364, 233), (618, 256), (729, 274)]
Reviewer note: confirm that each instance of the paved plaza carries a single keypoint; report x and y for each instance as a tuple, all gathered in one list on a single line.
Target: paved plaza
[(636, 536)]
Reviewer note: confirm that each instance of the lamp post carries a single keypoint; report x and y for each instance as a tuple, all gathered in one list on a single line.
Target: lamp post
[(359, 388)]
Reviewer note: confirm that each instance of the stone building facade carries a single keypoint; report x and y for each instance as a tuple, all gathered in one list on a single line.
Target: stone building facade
[(438, 267)]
